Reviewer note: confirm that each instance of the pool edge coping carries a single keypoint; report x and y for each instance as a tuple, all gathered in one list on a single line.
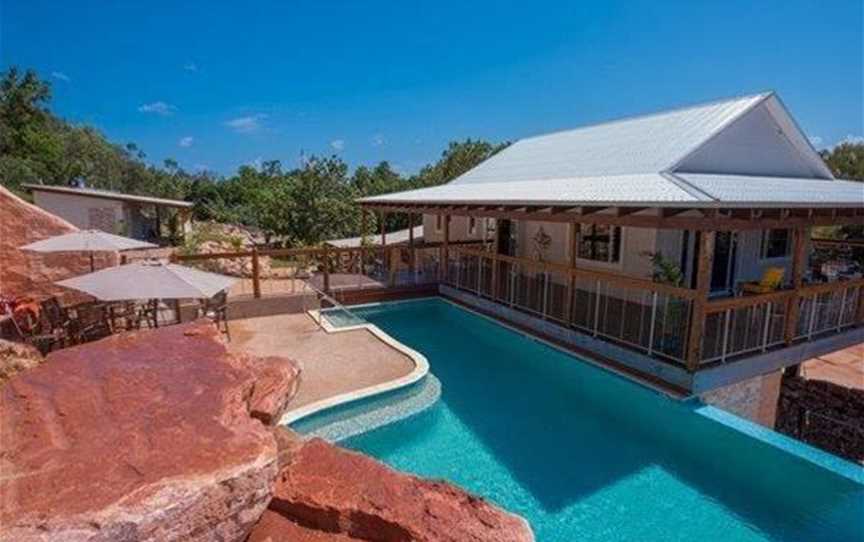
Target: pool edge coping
[(421, 369)]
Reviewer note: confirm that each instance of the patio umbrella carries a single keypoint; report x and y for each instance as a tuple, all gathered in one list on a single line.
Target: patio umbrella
[(87, 241), (149, 280)]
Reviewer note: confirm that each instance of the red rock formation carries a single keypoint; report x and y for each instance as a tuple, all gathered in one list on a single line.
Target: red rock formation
[(349, 496), (29, 273), (16, 358), (141, 436), (276, 383)]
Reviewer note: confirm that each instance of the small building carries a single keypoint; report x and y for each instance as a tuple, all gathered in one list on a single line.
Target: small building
[(146, 218)]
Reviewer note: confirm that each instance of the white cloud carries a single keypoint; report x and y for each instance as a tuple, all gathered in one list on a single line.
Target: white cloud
[(200, 167), (853, 139), (378, 140), (255, 163), (186, 141), (338, 145), (61, 76), (816, 141), (159, 108), (246, 125), (190, 67)]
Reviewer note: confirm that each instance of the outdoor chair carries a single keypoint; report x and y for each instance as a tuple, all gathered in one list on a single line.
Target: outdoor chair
[(91, 322), (51, 329), (771, 280), (124, 316), (216, 309)]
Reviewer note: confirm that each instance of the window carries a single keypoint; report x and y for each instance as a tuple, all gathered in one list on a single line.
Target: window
[(600, 243), (439, 222), (472, 226), (775, 243)]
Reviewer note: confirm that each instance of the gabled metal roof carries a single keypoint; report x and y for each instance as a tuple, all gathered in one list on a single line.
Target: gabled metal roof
[(106, 194), (634, 162), (652, 189), (647, 144)]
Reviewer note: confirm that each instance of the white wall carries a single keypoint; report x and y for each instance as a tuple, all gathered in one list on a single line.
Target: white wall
[(76, 209), (754, 145), (634, 243), (458, 229)]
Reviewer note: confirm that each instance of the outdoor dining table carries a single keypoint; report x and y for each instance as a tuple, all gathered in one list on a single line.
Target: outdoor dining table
[(150, 281)]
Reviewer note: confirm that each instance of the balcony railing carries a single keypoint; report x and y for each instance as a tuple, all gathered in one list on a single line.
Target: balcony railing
[(654, 318)]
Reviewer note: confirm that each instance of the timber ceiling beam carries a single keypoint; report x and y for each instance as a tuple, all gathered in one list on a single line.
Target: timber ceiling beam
[(711, 221)]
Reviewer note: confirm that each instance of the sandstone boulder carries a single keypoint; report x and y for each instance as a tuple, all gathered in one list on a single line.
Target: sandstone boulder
[(277, 381), (140, 436), (16, 358), (25, 273), (349, 496)]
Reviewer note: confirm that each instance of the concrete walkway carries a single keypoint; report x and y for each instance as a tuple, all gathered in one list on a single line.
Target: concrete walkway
[(844, 367), (331, 363)]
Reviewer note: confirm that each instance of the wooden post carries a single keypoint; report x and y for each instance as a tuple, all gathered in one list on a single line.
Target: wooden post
[(158, 222), (383, 217), (799, 247), (412, 261), (571, 278), (326, 256), (362, 270), (703, 288), (859, 315), (442, 265), (495, 264), (392, 262), (256, 278)]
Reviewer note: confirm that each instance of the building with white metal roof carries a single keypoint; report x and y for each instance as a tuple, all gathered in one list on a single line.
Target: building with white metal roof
[(732, 153)]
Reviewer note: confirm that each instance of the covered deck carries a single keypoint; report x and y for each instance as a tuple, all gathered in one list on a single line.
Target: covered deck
[(684, 327)]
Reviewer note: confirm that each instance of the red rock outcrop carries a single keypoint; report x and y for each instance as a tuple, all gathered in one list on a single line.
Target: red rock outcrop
[(277, 381), (16, 358), (29, 273), (327, 490), (140, 436)]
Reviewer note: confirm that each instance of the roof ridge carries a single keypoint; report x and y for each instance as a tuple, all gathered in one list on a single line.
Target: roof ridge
[(628, 118)]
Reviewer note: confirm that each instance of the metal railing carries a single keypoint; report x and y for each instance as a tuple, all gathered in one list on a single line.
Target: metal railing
[(653, 318), (647, 316)]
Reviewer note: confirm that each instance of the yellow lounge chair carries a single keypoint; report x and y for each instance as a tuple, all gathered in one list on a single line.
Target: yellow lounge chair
[(771, 280)]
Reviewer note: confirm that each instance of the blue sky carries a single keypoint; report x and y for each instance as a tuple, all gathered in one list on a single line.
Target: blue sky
[(220, 84)]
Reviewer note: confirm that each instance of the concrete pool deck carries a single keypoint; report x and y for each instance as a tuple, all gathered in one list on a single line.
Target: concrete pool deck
[(333, 365)]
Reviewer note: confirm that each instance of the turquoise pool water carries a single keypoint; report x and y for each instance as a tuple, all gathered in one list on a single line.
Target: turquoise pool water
[(586, 455)]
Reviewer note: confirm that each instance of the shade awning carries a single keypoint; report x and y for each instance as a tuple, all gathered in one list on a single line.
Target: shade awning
[(87, 241), (149, 280)]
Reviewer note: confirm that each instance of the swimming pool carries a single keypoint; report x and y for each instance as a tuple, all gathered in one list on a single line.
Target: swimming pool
[(586, 455)]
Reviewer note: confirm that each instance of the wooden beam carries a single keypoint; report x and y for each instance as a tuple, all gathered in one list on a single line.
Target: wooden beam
[(627, 211), (704, 223), (799, 256), (703, 288)]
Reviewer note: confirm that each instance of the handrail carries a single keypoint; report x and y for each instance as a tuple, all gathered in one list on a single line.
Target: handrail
[(621, 280), (720, 305)]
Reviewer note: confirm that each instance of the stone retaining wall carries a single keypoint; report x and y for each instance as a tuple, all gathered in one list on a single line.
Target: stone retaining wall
[(823, 414)]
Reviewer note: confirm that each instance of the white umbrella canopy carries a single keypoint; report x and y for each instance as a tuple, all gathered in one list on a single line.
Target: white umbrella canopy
[(149, 280), (86, 241)]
